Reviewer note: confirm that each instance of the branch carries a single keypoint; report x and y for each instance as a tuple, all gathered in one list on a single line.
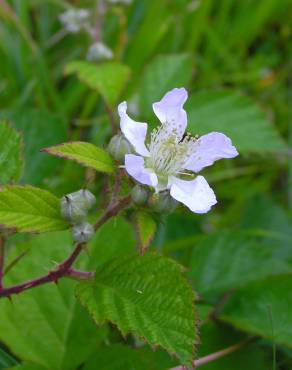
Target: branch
[(65, 268), (216, 355), (2, 258)]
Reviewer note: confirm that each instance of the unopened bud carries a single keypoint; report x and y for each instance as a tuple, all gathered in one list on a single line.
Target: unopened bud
[(119, 146), (140, 195), (82, 232), (74, 206), (99, 51), (163, 202)]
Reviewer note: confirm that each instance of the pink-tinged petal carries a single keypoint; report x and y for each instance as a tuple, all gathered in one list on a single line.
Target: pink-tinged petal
[(195, 194), (170, 112), (134, 131), (208, 149), (135, 166)]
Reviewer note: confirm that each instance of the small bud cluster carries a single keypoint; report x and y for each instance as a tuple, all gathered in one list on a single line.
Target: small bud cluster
[(160, 202), (74, 208)]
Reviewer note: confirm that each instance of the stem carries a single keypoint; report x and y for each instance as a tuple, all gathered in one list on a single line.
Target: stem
[(216, 355), (2, 258), (113, 211), (65, 268), (15, 261)]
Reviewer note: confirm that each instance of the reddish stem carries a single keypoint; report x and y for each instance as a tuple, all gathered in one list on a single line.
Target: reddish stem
[(2, 258), (65, 268), (216, 355)]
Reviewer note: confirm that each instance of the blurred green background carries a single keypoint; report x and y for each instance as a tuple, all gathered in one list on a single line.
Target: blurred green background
[(234, 58)]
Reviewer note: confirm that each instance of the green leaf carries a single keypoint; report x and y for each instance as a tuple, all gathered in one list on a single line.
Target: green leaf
[(108, 79), (147, 296), (11, 163), (227, 260), (27, 366), (46, 325), (263, 308), (39, 129), (84, 153), (30, 209), (236, 116), (162, 75), (121, 357), (145, 229)]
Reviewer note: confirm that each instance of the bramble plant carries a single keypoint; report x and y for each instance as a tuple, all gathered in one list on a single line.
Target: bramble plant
[(115, 252)]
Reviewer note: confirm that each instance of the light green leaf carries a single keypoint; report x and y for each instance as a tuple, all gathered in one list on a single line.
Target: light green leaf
[(163, 74), (30, 209), (226, 260), (263, 308), (236, 116), (108, 79), (84, 153), (11, 163), (39, 129), (145, 229), (46, 325), (147, 296)]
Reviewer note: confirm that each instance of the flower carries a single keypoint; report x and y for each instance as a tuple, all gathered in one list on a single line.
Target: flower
[(99, 51), (171, 154), (75, 19)]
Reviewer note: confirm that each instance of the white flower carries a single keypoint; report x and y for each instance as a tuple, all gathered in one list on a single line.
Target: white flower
[(75, 19), (171, 154), (99, 51)]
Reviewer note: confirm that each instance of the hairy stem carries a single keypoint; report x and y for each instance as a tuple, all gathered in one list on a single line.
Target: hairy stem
[(65, 268), (216, 355)]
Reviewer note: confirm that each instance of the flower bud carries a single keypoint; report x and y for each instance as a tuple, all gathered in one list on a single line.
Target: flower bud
[(140, 195), (82, 232), (163, 202), (99, 51), (74, 206), (119, 146)]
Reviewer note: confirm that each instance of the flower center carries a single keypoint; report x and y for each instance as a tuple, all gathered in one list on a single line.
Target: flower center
[(167, 153)]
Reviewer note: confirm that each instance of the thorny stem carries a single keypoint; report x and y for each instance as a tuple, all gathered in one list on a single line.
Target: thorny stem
[(216, 355), (65, 268)]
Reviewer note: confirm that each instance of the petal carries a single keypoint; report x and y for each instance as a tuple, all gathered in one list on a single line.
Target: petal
[(208, 149), (195, 194), (134, 131), (169, 111), (135, 167)]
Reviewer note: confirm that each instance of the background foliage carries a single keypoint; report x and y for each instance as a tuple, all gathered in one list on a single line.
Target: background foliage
[(233, 57)]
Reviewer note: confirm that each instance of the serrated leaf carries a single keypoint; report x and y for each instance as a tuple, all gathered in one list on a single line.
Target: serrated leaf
[(162, 75), (263, 308), (108, 79), (11, 162), (30, 209), (227, 260), (39, 129), (145, 229), (46, 325), (236, 116), (146, 296), (84, 153)]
